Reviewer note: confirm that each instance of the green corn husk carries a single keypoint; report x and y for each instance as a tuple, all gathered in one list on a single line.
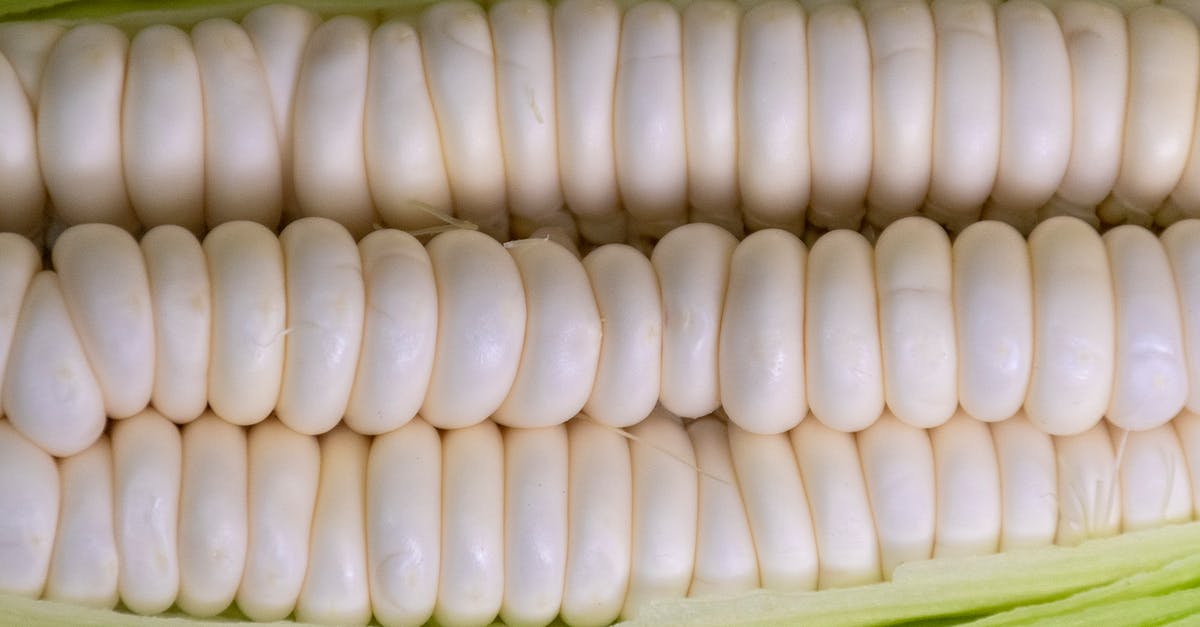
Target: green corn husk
[(1146, 577), (135, 14)]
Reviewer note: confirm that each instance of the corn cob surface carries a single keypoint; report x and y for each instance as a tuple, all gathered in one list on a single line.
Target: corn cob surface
[(610, 121), (1069, 327), (714, 514), (579, 521), (892, 75)]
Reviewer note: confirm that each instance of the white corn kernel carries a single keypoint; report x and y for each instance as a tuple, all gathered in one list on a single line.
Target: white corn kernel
[(587, 36), (1150, 384), (280, 34), (1164, 68), (1074, 326), (776, 509), (710, 111), (898, 466), (1187, 428), (1035, 118), (325, 302), (772, 116), (665, 501), (903, 88), (599, 519), (51, 395), (726, 561), (456, 45), (104, 281), (405, 166), (993, 314), (916, 321), (404, 523), (648, 124), (399, 333), (84, 566), (481, 328), (524, 43), (1182, 243), (242, 163), (693, 270), (629, 372), (1155, 486), (1098, 48), (1028, 483), (535, 524), (283, 469), (147, 467), (27, 45), (29, 507), (335, 587), (839, 110), (162, 129), (181, 294), (847, 542), (666, 496), (562, 338), (968, 488), (330, 170), (212, 515), (249, 318), (19, 262), (1089, 490), (843, 365), (966, 111), (79, 126), (761, 351), (20, 172), (471, 587)]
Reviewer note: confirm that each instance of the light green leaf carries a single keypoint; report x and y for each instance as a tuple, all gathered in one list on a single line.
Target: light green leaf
[(957, 588)]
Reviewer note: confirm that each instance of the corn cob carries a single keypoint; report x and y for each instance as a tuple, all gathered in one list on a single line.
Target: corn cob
[(964, 486), (572, 520), (608, 121), (1069, 327)]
